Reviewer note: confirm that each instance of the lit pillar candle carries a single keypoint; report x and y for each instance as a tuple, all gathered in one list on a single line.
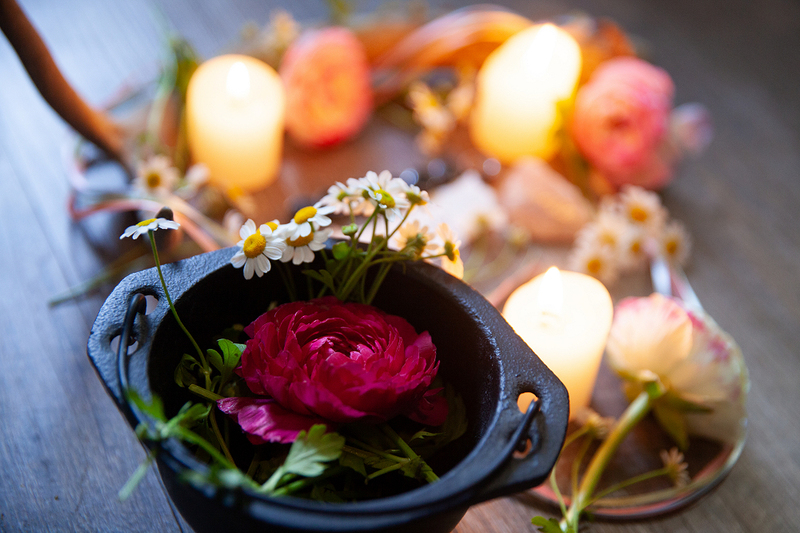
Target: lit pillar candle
[(565, 318), (518, 90), (234, 121)]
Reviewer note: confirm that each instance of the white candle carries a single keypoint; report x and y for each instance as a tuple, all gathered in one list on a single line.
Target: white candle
[(565, 318), (234, 121), (519, 87)]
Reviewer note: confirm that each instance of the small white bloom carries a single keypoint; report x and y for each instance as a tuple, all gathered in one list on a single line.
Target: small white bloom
[(632, 250), (386, 193), (675, 243), (340, 197), (417, 196), (257, 247), (677, 469), (196, 176), (597, 261), (418, 238), (302, 224), (301, 250), (642, 207), (151, 224), (156, 176)]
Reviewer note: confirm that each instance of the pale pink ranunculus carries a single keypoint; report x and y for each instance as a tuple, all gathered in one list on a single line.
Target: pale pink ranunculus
[(690, 354), (333, 362), (620, 123)]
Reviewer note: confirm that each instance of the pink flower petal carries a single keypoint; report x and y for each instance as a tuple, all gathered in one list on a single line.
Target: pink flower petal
[(264, 420)]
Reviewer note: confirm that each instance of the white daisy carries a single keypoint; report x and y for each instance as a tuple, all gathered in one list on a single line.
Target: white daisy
[(151, 224), (195, 178), (387, 193), (677, 469), (257, 247), (417, 196), (450, 242), (417, 239), (642, 207), (156, 176), (340, 197), (675, 243), (302, 223), (301, 249), (597, 261), (633, 248)]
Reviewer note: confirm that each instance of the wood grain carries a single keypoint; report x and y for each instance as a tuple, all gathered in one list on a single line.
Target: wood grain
[(64, 449)]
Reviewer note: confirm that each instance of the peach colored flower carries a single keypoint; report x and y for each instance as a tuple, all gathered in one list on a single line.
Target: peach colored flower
[(620, 122)]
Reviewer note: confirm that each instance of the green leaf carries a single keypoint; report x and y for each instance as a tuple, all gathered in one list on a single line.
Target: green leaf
[(310, 450), (422, 434), (412, 468), (326, 493), (341, 250), (184, 372), (155, 408), (549, 525), (231, 353), (673, 422), (353, 462), (215, 359)]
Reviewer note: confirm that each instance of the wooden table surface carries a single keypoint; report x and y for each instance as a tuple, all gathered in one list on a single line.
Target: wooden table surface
[(65, 450)]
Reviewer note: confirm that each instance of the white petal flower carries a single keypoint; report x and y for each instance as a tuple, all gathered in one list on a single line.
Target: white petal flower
[(151, 224), (257, 247), (675, 243), (340, 197), (419, 239), (642, 207), (301, 250), (156, 176), (304, 221), (597, 261), (677, 469), (385, 193)]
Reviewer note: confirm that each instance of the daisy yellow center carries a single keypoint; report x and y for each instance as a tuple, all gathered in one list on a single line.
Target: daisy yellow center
[(153, 179), (636, 246), (638, 214), (254, 245), (144, 223), (304, 214), (594, 265), (672, 247), (608, 238), (272, 225), (300, 241), (385, 198)]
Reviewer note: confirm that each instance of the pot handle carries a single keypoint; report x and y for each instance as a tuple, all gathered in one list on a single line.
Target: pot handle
[(136, 306)]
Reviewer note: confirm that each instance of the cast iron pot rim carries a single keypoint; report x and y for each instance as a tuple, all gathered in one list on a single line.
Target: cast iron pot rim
[(463, 485)]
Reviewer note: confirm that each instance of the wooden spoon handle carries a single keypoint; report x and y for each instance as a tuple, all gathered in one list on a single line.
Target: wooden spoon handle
[(94, 125)]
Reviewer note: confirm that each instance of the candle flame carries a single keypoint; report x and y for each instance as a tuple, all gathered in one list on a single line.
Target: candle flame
[(551, 292), (541, 50), (238, 82)]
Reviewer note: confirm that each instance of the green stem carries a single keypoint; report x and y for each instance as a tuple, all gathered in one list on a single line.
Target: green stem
[(220, 440), (205, 393), (576, 465), (391, 468), (427, 472), (305, 482), (174, 311), (627, 483), (632, 415)]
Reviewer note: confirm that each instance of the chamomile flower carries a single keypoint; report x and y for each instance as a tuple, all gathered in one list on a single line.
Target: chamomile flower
[(302, 224), (257, 247), (301, 249), (632, 250), (450, 242), (597, 261), (675, 243), (414, 238), (643, 208), (340, 197), (677, 469), (597, 426), (156, 176), (195, 178), (151, 224), (417, 196), (386, 193)]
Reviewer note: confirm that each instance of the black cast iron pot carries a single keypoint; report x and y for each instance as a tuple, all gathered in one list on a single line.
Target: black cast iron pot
[(481, 356)]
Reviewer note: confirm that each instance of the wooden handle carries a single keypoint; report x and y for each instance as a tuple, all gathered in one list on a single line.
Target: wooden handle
[(92, 124)]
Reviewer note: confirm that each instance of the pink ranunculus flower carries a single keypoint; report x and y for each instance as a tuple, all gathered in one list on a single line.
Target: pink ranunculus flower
[(620, 123), (333, 362), (690, 354)]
